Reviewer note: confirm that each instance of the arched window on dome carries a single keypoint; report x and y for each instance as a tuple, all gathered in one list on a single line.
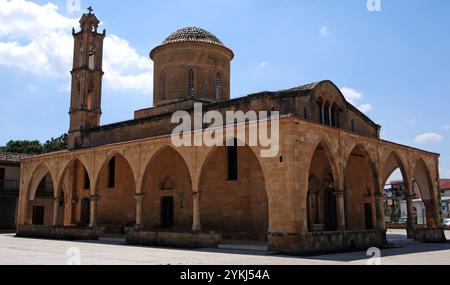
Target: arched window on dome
[(191, 84), (218, 87), (163, 85)]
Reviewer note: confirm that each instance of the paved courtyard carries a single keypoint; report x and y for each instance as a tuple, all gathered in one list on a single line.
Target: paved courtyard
[(18, 251)]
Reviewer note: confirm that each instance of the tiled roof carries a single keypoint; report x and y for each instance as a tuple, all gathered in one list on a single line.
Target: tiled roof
[(7, 157), (192, 34), (309, 86), (445, 184)]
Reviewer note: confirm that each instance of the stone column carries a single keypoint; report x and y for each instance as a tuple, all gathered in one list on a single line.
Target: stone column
[(340, 203), (93, 219), (139, 207), (330, 116), (410, 214), (196, 224), (380, 210), (323, 114), (56, 211)]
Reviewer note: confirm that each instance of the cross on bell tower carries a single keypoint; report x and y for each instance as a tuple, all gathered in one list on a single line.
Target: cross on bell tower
[(87, 74)]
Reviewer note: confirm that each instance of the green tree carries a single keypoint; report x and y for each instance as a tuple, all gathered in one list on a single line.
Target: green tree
[(35, 147), (56, 144), (23, 146)]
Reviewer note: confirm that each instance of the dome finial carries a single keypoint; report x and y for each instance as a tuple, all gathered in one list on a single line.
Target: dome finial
[(90, 10)]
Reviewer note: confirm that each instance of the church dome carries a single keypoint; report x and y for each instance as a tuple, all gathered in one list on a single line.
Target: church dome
[(192, 34)]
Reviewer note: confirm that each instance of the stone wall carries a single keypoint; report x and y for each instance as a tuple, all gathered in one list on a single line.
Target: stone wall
[(174, 239), (326, 241), (61, 233)]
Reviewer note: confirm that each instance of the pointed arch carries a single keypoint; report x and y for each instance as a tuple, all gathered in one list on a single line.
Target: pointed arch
[(40, 172), (393, 162), (167, 190), (116, 204), (247, 195), (324, 145), (72, 186), (423, 179), (323, 181), (362, 188)]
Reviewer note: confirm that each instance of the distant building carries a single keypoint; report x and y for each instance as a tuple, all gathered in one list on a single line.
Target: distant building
[(445, 188), (396, 206), (9, 188)]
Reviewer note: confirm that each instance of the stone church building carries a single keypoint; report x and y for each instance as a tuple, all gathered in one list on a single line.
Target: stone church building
[(324, 189)]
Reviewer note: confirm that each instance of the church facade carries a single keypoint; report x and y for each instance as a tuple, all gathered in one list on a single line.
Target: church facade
[(323, 191)]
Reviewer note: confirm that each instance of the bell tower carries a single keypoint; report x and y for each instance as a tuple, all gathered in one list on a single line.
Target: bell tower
[(87, 74)]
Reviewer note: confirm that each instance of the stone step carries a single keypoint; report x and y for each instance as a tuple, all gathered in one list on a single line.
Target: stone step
[(244, 245)]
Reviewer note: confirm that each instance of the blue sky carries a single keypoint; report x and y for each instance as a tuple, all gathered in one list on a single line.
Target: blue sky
[(393, 64)]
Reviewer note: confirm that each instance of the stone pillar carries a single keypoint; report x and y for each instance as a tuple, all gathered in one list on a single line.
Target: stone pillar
[(409, 209), (139, 207), (323, 114), (56, 211), (380, 210), (73, 218), (93, 219), (196, 224), (340, 203), (330, 116)]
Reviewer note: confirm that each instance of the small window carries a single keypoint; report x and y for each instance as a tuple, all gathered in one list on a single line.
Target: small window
[(233, 162), (87, 181), (219, 87), (163, 85), (112, 173), (353, 125), (191, 84), (305, 112)]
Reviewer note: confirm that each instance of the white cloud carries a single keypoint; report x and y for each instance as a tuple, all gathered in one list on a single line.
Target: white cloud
[(32, 88), (427, 138), (365, 108), (354, 97), (446, 127), (37, 39), (324, 31), (73, 6), (263, 64)]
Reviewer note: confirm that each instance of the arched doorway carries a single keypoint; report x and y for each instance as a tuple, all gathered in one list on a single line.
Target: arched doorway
[(41, 198), (116, 190), (321, 202), (360, 190), (233, 198), (85, 214), (167, 190)]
